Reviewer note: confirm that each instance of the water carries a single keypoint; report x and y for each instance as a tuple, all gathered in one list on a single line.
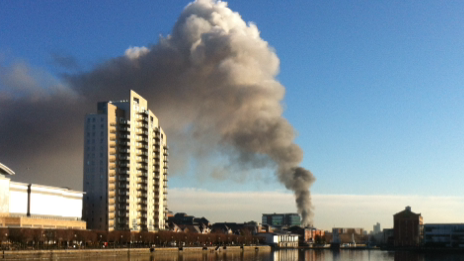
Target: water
[(287, 255)]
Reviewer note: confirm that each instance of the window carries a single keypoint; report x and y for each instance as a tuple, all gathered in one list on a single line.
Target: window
[(136, 100)]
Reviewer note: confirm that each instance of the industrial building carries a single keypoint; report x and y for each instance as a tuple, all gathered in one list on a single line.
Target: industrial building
[(125, 167)]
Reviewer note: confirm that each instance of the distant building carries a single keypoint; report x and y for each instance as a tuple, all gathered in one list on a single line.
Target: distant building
[(340, 230), (388, 237), (307, 235), (38, 206), (377, 229), (281, 240), (181, 222), (346, 235), (125, 167), (184, 219), (281, 220), (408, 228), (246, 228), (444, 235)]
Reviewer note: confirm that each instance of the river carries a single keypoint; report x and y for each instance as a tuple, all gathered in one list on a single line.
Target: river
[(288, 255)]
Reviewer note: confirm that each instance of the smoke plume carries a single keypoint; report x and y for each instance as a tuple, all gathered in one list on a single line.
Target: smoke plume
[(211, 82)]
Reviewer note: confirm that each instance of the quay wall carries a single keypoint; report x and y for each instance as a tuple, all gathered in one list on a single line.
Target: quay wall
[(51, 254)]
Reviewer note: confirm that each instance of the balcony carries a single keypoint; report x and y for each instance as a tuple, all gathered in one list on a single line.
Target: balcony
[(124, 157), (166, 153), (124, 171)]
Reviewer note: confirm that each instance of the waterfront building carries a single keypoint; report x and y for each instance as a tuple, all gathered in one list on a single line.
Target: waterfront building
[(125, 167), (280, 220), (307, 235), (408, 228), (280, 240), (37, 206), (444, 235)]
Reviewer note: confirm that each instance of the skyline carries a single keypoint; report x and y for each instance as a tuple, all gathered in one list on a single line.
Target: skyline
[(371, 88)]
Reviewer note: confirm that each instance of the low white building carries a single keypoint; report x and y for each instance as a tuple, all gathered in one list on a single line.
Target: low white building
[(281, 240), (32, 205)]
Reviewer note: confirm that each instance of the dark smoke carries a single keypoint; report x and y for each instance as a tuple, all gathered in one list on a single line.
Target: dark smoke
[(211, 82)]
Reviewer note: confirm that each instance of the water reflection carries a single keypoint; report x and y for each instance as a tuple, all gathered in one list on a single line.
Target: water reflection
[(283, 255)]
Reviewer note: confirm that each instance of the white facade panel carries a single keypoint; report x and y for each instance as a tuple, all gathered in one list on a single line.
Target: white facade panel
[(4, 195), (48, 201), (18, 198)]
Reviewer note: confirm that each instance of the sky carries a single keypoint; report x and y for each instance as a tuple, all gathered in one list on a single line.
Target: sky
[(373, 91)]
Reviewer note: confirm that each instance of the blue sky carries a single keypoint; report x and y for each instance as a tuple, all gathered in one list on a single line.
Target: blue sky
[(373, 88)]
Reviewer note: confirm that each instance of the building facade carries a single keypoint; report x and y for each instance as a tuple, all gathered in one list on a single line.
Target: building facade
[(125, 167), (408, 228), (444, 235), (280, 240), (37, 206), (280, 220)]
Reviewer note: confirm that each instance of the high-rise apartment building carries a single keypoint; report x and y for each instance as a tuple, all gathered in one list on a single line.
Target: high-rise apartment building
[(125, 167)]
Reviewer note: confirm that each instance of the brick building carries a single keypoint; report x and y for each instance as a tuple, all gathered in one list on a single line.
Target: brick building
[(408, 228)]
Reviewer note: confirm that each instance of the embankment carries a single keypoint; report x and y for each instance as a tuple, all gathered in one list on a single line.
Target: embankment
[(89, 253)]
